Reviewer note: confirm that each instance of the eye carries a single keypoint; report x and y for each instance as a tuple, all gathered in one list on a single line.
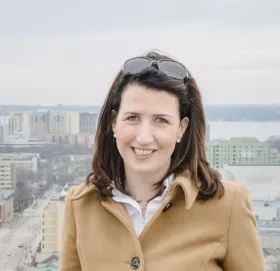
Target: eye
[(161, 120), (133, 118)]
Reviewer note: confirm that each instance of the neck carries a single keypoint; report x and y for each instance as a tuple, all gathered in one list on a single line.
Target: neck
[(142, 187)]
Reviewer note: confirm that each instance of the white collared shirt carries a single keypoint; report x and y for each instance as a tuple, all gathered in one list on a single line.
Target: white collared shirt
[(134, 209)]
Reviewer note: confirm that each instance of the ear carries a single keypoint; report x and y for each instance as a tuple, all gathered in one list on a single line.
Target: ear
[(114, 119), (183, 127)]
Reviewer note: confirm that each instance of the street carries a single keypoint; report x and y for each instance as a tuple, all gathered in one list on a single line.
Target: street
[(20, 239)]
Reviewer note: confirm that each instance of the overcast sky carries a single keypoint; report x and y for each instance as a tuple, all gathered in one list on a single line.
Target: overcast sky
[(68, 52)]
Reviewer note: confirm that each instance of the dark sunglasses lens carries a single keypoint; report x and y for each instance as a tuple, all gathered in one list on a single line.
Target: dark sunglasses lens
[(136, 65), (173, 69)]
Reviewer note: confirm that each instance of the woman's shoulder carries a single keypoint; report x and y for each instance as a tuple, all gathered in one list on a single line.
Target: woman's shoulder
[(79, 191), (233, 189), (231, 186)]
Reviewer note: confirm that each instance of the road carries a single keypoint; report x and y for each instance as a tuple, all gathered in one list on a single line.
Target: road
[(19, 241)]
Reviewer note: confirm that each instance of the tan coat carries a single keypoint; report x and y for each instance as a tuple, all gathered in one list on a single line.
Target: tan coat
[(186, 235)]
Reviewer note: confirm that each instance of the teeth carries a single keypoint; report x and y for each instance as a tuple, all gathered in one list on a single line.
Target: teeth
[(142, 152)]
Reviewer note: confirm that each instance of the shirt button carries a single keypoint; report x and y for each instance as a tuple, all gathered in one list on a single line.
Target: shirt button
[(168, 206), (135, 263)]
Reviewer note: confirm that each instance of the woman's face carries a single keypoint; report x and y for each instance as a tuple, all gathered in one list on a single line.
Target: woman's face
[(147, 127)]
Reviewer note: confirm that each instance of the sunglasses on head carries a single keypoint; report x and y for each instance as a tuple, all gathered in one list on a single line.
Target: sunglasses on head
[(171, 68)]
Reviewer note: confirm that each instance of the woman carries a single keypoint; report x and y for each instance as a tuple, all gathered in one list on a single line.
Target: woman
[(152, 201)]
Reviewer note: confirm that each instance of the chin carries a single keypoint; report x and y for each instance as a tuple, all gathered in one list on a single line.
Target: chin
[(144, 169)]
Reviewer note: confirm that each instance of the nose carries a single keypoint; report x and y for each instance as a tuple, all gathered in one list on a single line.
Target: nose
[(144, 135)]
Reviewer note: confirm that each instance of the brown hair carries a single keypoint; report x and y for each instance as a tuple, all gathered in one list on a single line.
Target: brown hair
[(190, 154)]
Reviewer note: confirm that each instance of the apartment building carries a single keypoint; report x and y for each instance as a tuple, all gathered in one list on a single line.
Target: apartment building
[(38, 124), (23, 123), (80, 139), (44, 122), (25, 161), (88, 122), (7, 175), (6, 205), (53, 216), (56, 122), (241, 151), (9, 126)]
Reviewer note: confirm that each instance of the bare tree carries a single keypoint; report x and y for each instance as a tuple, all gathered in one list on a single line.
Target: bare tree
[(26, 175)]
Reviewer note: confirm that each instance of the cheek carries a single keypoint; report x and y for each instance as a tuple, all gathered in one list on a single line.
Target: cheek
[(125, 134), (168, 139)]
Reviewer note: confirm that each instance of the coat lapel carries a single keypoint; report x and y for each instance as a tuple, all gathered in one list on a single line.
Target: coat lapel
[(189, 189)]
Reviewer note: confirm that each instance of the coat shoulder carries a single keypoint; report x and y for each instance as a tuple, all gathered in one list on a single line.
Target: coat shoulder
[(233, 188), (79, 191)]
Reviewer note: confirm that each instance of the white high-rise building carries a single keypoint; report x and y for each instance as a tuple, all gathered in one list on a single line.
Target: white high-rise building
[(23, 123), (9, 125), (71, 122)]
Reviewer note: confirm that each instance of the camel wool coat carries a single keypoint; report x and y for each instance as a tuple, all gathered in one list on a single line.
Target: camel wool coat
[(184, 235)]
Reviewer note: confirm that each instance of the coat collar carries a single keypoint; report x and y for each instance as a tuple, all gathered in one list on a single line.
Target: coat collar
[(188, 186), (182, 181)]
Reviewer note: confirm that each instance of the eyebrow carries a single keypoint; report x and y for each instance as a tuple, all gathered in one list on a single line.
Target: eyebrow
[(131, 113), (156, 115), (163, 116)]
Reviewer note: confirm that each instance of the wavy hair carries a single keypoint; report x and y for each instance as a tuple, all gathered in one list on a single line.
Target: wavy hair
[(190, 154)]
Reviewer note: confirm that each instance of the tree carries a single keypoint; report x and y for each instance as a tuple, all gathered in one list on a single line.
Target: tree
[(25, 175), (23, 194)]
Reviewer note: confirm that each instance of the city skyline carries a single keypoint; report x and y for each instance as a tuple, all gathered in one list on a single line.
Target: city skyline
[(63, 53), (58, 60)]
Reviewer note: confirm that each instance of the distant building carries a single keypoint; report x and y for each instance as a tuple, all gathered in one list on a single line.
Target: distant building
[(88, 123), (262, 181), (6, 205), (4, 111), (53, 216), (270, 237), (39, 124), (7, 175), (264, 210), (241, 151), (207, 135), (71, 123), (2, 138), (9, 126), (71, 139), (23, 142), (23, 123), (43, 122), (26, 161)]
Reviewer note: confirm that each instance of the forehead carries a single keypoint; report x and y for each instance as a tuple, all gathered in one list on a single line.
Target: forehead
[(142, 99)]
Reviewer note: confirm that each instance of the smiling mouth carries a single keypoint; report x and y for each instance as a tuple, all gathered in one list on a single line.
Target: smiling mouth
[(141, 152)]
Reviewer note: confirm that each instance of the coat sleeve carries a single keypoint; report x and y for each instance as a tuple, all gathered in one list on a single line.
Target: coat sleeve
[(244, 251), (69, 258)]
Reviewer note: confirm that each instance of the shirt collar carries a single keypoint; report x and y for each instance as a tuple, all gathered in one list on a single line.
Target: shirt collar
[(182, 181), (167, 183)]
